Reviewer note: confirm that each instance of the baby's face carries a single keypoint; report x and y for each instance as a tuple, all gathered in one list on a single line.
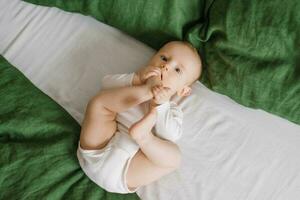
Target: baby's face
[(180, 66)]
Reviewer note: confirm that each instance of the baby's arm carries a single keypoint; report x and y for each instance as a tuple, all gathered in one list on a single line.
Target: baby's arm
[(169, 121), (169, 115), (163, 153)]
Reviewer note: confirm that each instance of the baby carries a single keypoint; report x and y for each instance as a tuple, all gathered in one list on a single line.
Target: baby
[(130, 127)]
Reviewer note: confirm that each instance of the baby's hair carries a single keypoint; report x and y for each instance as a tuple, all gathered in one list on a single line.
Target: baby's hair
[(190, 46), (196, 52)]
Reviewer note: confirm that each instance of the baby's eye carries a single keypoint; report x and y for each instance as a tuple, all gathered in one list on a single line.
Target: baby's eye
[(177, 70), (164, 58)]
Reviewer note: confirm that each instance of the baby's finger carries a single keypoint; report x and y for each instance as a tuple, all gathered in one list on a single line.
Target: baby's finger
[(156, 97), (157, 91), (168, 90), (158, 87), (154, 91), (153, 88), (164, 96), (157, 71), (156, 68), (149, 74), (164, 92), (162, 89)]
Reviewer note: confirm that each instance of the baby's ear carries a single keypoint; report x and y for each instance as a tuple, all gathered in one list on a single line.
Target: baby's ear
[(185, 91)]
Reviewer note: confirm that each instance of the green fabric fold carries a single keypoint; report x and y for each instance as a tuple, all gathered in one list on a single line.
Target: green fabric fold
[(250, 49), (253, 56), (153, 22), (38, 143)]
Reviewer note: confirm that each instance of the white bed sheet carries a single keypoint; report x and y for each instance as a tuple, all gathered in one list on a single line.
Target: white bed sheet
[(229, 151)]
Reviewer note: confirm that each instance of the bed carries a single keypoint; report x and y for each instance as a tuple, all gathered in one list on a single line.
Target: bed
[(242, 138)]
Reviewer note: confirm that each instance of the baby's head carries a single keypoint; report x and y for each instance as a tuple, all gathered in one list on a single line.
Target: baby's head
[(180, 66)]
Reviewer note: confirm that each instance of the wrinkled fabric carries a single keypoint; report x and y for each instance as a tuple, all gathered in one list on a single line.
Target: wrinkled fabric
[(250, 48), (38, 142), (253, 56)]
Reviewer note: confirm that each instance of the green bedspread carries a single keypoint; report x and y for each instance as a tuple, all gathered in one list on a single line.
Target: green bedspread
[(38, 142), (250, 48)]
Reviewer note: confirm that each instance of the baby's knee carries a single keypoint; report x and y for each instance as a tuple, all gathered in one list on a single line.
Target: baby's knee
[(97, 99), (97, 104)]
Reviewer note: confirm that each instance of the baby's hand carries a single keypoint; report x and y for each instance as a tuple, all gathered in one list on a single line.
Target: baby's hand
[(161, 94)]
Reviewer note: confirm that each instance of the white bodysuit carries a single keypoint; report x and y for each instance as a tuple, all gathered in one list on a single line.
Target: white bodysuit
[(108, 166)]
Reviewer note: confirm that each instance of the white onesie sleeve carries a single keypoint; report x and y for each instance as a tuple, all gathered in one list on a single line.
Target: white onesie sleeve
[(116, 80), (169, 121)]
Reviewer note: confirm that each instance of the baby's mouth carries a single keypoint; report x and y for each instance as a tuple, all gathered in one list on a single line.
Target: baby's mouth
[(161, 76)]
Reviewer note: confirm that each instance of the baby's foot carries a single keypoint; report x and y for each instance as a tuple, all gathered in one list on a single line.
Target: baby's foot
[(154, 81), (141, 130)]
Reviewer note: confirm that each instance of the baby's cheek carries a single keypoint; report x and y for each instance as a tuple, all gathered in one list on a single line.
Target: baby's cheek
[(171, 81), (166, 83)]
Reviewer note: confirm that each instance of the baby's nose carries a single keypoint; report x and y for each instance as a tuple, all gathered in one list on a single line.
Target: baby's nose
[(163, 66)]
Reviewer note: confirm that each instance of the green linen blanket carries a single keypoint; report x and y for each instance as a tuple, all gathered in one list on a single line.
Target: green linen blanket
[(38, 143), (250, 48)]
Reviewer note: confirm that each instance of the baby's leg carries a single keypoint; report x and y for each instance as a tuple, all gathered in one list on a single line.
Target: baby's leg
[(156, 158), (99, 123)]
